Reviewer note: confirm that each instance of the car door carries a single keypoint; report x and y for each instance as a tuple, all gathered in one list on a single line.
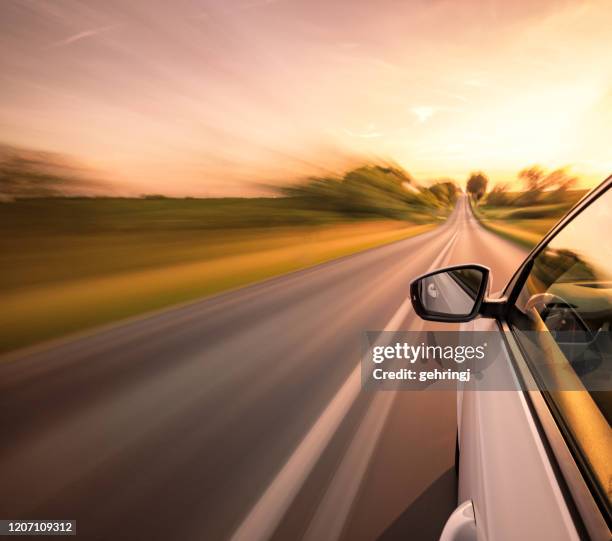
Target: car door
[(535, 463)]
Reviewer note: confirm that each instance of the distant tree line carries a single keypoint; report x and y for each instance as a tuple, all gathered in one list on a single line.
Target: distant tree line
[(538, 186), (373, 190), (33, 173)]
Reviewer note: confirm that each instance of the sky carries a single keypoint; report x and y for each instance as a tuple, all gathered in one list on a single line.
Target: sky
[(215, 98)]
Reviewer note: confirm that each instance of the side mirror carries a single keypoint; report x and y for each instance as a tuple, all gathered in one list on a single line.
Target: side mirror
[(452, 294)]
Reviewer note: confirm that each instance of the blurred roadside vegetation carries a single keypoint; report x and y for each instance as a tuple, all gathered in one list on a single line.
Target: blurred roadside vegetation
[(35, 173), (525, 216), (70, 262), (376, 190)]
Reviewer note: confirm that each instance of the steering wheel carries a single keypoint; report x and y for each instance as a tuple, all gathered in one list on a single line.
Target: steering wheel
[(558, 314)]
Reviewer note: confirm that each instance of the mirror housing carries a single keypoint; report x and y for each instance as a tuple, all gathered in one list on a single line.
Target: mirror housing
[(453, 294)]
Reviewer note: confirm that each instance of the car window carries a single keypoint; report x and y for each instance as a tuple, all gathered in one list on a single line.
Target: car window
[(562, 320)]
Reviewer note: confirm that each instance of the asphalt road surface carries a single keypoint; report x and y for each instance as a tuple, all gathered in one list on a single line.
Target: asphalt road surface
[(241, 416)]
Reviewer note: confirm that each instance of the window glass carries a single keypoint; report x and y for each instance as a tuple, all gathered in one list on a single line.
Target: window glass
[(568, 297)]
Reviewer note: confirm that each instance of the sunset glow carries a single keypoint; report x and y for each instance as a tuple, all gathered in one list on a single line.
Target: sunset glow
[(222, 98)]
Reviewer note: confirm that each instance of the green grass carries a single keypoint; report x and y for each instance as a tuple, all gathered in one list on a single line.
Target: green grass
[(527, 225), (72, 264), (524, 233), (45, 241)]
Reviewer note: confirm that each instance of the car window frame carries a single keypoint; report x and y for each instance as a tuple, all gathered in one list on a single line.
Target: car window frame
[(575, 475), (589, 519)]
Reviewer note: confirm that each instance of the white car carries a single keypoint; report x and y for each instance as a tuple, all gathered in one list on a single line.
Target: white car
[(536, 462)]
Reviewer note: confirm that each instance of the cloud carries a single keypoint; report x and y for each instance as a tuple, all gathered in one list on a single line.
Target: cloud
[(83, 35), (423, 113)]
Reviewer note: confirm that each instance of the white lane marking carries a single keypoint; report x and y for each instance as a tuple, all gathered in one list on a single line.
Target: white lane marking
[(445, 251), (335, 506), (333, 510), (268, 511)]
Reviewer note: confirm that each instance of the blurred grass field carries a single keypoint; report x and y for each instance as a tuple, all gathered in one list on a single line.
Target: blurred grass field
[(525, 225), (72, 264)]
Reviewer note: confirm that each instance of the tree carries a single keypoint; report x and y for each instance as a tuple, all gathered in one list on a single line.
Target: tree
[(499, 196), (372, 190), (33, 173), (537, 181), (477, 185), (445, 191)]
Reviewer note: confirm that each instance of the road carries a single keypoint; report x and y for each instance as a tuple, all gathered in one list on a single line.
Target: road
[(241, 416)]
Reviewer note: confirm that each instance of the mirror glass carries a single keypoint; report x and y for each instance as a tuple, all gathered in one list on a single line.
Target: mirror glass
[(453, 293)]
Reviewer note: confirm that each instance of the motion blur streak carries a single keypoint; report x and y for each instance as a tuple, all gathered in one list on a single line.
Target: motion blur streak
[(216, 97), (175, 425), (267, 513), (335, 506)]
